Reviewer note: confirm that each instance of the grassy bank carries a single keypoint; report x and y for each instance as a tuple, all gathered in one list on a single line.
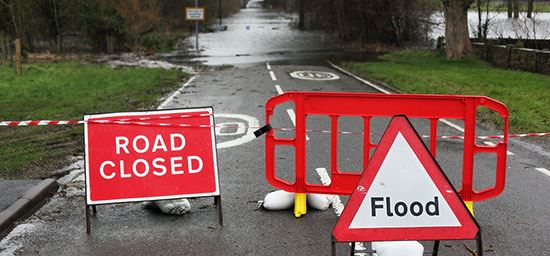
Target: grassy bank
[(62, 91), (527, 95)]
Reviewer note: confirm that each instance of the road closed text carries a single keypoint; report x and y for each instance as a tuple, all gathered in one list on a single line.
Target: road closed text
[(159, 166)]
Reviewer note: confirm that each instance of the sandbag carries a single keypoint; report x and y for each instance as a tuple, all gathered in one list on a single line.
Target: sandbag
[(278, 200), (318, 201)]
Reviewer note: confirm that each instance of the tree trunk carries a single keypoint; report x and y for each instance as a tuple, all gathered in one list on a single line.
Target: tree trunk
[(529, 8), (302, 11), (510, 7), (457, 37), (516, 9), (479, 25)]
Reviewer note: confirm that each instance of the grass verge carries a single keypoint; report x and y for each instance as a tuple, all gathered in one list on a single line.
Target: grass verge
[(61, 91), (527, 95)]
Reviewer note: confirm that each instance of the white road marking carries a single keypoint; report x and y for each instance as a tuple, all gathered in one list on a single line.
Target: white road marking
[(335, 200), (249, 136), (380, 89), (268, 66), (336, 203), (290, 112), (543, 171), (279, 90), (359, 78), (176, 93), (273, 77), (488, 143)]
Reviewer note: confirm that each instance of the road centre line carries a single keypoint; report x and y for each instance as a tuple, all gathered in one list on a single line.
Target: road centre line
[(336, 202), (380, 89), (279, 90), (543, 171), (488, 143), (273, 77), (268, 66), (290, 112)]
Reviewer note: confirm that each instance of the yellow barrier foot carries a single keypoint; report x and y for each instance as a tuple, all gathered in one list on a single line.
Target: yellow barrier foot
[(470, 206), (300, 205)]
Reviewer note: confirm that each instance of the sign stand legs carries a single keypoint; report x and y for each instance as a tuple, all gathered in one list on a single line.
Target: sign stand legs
[(436, 248), (218, 204), (352, 251), (479, 244), (333, 246), (88, 230)]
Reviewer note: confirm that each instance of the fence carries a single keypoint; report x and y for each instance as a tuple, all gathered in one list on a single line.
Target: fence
[(508, 56)]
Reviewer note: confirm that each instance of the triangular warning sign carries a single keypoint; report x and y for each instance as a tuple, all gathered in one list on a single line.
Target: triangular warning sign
[(404, 195)]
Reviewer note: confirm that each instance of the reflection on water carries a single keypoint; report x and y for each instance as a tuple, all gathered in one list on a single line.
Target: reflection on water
[(501, 26), (255, 34)]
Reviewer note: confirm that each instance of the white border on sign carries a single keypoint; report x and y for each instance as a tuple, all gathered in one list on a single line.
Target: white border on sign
[(296, 75), (128, 200)]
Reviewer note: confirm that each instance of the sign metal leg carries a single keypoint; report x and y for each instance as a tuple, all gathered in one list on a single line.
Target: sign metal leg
[(479, 244), (88, 228), (435, 250), (333, 246), (218, 204), (352, 251), (94, 210)]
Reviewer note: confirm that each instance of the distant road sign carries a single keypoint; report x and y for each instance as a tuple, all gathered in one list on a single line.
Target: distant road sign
[(171, 154), (314, 75), (404, 195), (194, 13)]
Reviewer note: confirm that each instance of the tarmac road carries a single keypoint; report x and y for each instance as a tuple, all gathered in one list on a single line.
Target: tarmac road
[(514, 223)]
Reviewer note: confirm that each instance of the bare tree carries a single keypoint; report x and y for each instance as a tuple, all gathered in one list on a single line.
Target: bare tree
[(529, 8), (457, 38)]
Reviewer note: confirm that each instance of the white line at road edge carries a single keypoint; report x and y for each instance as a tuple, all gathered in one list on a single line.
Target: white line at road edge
[(176, 93), (488, 143), (273, 77), (543, 171), (380, 89)]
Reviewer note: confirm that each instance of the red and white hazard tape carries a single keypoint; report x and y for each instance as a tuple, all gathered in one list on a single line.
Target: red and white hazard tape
[(138, 121)]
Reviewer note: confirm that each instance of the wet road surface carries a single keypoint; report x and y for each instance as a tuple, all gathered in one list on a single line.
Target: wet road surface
[(514, 223)]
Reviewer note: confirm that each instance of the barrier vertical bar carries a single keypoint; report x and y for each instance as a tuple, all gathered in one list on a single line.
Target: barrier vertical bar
[(433, 136), (300, 206), (334, 144), (366, 141), (468, 162)]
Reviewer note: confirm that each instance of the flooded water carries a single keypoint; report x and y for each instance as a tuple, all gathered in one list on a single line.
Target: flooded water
[(501, 26), (256, 34)]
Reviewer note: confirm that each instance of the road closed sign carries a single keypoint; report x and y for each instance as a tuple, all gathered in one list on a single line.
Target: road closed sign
[(404, 195), (151, 155)]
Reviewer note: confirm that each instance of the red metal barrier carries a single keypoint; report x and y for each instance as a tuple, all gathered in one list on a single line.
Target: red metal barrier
[(367, 106)]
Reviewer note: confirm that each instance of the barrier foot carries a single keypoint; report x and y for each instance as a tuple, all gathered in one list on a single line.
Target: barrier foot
[(470, 206), (300, 205)]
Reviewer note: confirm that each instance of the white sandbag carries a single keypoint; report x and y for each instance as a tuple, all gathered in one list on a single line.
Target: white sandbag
[(318, 201), (398, 248), (278, 200)]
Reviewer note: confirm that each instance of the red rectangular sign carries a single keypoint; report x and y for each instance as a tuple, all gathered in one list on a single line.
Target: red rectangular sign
[(151, 155)]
